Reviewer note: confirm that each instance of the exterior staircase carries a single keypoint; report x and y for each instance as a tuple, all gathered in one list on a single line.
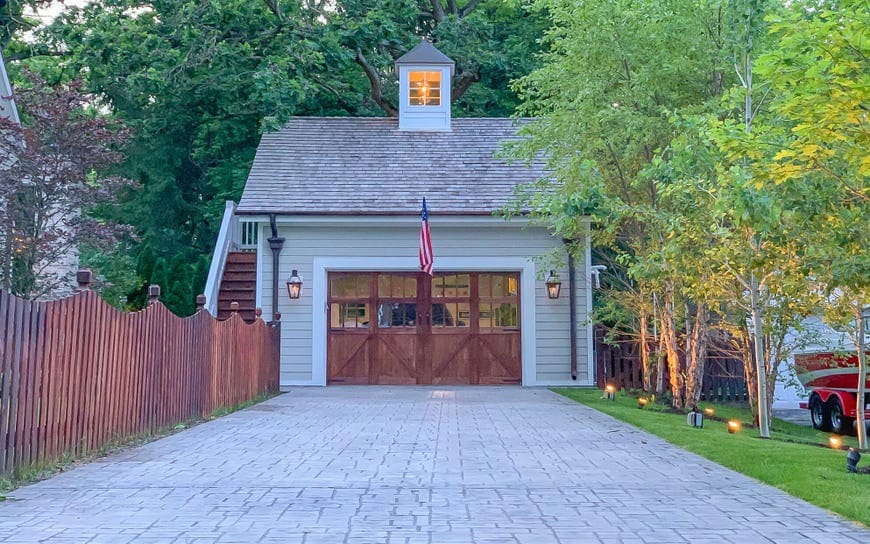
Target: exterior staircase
[(239, 284)]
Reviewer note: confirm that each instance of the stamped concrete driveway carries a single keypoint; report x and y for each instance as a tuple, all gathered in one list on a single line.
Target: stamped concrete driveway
[(412, 465)]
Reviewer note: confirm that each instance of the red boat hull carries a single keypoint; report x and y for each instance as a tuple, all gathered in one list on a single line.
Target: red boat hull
[(828, 371)]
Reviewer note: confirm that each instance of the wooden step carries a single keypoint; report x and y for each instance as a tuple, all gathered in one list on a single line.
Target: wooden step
[(243, 257), (238, 284)]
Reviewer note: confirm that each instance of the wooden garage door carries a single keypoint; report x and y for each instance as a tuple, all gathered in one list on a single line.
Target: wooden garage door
[(408, 328)]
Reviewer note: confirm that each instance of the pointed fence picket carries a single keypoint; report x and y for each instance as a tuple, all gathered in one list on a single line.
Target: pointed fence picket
[(77, 374)]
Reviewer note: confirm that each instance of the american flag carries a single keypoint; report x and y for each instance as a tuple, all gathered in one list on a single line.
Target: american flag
[(427, 259)]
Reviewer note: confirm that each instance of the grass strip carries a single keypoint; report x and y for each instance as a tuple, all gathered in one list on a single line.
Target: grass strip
[(792, 461)]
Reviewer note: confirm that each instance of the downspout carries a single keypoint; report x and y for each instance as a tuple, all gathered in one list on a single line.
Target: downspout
[(276, 244), (572, 301)]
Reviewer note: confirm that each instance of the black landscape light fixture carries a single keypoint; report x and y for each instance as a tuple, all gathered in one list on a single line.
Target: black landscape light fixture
[(294, 285), (695, 418), (852, 459), (554, 285), (610, 392)]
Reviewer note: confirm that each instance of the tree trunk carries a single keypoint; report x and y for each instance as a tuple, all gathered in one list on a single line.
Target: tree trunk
[(669, 341), (660, 365), (761, 367), (862, 377), (645, 354), (744, 346), (696, 357)]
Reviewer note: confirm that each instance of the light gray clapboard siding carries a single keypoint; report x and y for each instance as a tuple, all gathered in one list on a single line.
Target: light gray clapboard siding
[(303, 244)]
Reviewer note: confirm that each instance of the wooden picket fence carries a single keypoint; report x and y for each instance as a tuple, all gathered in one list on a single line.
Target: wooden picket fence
[(618, 362), (77, 374)]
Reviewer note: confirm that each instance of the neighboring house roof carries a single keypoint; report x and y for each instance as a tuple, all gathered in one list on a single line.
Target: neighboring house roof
[(356, 165), (7, 102), (424, 53)]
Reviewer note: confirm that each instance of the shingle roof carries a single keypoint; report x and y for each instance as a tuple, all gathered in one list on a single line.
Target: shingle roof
[(355, 165), (424, 53)]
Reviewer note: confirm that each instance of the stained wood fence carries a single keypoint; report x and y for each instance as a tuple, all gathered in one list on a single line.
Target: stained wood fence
[(77, 374), (618, 363)]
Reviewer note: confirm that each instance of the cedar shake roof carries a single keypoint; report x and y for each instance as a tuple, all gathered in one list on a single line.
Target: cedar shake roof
[(365, 165)]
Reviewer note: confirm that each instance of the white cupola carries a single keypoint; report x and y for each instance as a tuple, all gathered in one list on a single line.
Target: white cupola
[(425, 75)]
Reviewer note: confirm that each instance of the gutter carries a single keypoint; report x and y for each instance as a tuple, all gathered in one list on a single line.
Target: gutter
[(276, 244), (572, 301)]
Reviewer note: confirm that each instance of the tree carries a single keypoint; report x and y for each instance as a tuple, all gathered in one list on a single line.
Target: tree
[(12, 18), (200, 81), (603, 107), (819, 83), (492, 43), (58, 175)]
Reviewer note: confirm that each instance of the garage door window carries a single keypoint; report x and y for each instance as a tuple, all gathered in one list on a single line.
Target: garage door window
[(499, 301), (450, 301)]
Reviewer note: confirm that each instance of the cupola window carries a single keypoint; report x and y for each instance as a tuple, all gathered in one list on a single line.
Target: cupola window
[(424, 88)]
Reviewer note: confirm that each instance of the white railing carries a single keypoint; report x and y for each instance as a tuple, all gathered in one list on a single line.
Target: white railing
[(227, 238)]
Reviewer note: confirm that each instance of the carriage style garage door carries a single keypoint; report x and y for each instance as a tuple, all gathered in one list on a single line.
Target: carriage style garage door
[(410, 328)]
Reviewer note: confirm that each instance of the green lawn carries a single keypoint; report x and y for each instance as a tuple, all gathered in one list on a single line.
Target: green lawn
[(815, 474)]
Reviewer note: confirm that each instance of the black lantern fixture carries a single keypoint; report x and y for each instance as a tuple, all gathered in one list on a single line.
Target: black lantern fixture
[(294, 285), (554, 285)]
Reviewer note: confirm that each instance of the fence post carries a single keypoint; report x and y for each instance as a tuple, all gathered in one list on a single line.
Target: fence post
[(200, 302), (84, 277), (153, 294), (258, 313), (234, 307)]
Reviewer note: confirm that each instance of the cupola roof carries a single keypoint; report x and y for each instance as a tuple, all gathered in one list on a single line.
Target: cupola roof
[(424, 53)]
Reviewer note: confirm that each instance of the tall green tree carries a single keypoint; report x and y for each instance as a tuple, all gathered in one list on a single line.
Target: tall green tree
[(602, 105), (55, 169), (199, 82), (820, 86)]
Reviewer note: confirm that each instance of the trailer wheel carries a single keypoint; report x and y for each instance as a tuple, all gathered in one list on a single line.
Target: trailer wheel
[(819, 414), (840, 424)]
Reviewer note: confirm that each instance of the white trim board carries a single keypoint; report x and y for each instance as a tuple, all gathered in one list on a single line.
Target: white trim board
[(590, 326), (323, 265)]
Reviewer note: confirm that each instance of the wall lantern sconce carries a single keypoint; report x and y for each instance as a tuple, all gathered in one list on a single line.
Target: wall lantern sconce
[(554, 285), (294, 285), (733, 426)]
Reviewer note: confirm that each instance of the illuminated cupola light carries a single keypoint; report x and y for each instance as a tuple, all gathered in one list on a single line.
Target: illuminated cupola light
[(424, 89)]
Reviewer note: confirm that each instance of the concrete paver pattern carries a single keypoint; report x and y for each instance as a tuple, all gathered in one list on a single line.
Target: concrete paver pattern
[(412, 465)]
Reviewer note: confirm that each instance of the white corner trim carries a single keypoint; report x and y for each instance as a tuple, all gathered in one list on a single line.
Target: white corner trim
[(318, 321), (590, 327), (322, 265)]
